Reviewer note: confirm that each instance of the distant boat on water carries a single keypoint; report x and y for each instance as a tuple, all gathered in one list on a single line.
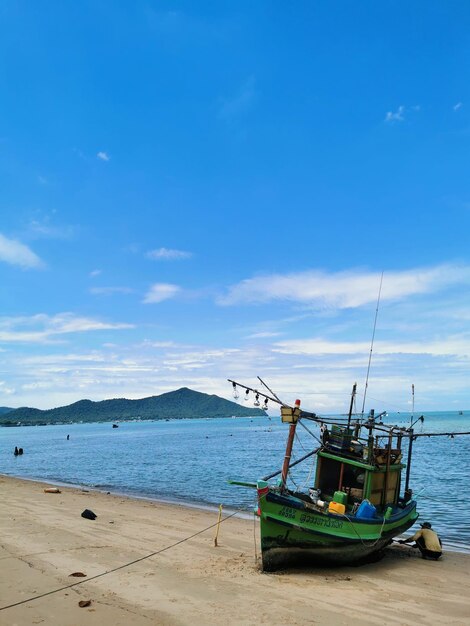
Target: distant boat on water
[(115, 425)]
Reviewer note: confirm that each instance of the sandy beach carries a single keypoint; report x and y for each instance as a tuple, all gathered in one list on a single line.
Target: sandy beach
[(44, 539)]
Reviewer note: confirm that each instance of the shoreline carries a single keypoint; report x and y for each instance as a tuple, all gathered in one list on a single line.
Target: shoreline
[(133, 421), (199, 506), (188, 580)]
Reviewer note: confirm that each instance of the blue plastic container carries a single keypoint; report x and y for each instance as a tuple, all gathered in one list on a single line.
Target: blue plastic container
[(366, 510)]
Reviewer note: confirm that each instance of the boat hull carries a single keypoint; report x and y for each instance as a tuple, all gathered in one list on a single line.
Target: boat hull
[(292, 531)]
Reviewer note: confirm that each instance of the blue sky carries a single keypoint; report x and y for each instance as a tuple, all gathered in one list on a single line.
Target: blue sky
[(196, 191)]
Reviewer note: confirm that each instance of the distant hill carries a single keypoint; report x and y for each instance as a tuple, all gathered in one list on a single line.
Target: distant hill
[(5, 409), (181, 404)]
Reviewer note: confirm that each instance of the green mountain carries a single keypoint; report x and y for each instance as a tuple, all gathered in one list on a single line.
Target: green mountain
[(180, 404), (5, 409)]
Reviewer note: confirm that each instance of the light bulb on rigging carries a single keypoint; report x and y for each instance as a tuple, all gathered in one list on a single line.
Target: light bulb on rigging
[(236, 395)]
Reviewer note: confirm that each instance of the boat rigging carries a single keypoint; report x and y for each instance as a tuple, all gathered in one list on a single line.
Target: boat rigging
[(356, 505)]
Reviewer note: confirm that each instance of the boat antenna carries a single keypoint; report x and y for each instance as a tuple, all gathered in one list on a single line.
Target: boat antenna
[(372, 344), (270, 390), (412, 404)]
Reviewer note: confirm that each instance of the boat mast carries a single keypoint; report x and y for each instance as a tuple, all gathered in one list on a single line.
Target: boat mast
[(353, 395), (410, 444), (290, 442), (387, 470), (408, 464)]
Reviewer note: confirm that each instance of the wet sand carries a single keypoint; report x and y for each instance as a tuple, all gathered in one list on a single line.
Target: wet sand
[(44, 539)]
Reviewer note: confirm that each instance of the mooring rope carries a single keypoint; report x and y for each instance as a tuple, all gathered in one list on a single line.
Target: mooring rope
[(361, 539), (119, 567)]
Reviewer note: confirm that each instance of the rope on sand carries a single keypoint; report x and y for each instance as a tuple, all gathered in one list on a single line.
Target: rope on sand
[(115, 569)]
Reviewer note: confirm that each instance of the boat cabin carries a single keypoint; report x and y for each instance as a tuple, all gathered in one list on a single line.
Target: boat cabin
[(358, 470)]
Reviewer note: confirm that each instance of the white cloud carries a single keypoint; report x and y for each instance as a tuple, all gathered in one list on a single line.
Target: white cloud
[(103, 156), (94, 273), (43, 328), (5, 389), (319, 371), (159, 344), (450, 346), (79, 153), (457, 106), (43, 229), (17, 253), (343, 290), (199, 359), (398, 116), (321, 346), (61, 359), (109, 291), (168, 254), (240, 103), (160, 292)]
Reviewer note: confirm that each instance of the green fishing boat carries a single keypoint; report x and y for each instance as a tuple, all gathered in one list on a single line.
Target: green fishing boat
[(356, 505)]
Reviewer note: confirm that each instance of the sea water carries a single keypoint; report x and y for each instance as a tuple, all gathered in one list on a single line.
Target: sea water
[(191, 461)]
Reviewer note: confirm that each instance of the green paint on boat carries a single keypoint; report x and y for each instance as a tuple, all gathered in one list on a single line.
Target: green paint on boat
[(355, 506)]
